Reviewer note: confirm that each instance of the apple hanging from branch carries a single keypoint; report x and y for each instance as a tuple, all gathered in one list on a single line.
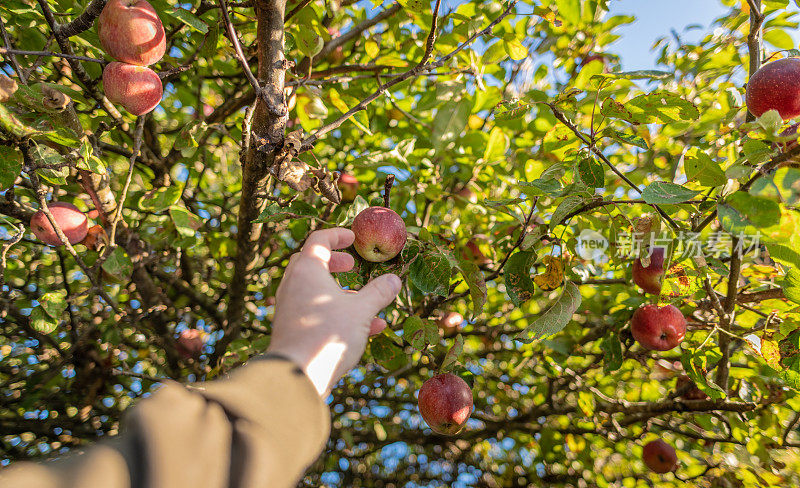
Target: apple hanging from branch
[(380, 234), (658, 328), (649, 277), (130, 31), (445, 402), (775, 86), (137, 88), (660, 457), (68, 217)]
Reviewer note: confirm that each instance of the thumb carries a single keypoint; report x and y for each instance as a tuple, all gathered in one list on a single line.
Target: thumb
[(379, 293)]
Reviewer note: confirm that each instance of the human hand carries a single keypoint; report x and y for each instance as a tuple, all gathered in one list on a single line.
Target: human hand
[(318, 325)]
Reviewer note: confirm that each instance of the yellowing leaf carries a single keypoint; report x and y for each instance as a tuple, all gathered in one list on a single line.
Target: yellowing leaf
[(553, 277)]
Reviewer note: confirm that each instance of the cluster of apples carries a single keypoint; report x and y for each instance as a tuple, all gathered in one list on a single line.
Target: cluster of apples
[(131, 33), (445, 400)]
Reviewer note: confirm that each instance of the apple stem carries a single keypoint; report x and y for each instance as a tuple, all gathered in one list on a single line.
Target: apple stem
[(387, 189)]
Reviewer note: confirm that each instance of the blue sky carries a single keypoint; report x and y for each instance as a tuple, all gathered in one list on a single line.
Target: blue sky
[(654, 19)]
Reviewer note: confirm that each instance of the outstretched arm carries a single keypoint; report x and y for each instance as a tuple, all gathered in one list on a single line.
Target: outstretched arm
[(265, 423)]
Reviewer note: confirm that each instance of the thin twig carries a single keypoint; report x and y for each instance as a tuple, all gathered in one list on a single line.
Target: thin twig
[(137, 145), (14, 239), (50, 53), (9, 49)]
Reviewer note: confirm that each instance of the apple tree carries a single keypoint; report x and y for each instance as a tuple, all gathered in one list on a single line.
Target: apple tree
[(547, 195)]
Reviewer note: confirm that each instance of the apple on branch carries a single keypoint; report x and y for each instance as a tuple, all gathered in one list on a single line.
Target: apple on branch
[(660, 457), (190, 343), (658, 328), (70, 219), (445, 402), (130, 31), (348, 185), (380, 234), (648, 278), (775, 86), (137, 88)]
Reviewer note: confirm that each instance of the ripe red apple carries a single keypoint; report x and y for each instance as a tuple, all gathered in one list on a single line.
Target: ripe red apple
[(136, 88), (190, 343), (660, 457), (658, 328), (348, 184), (692, 391), (775, 86), (130, 31), (72, 221), (445, 402), (649, 278), (380, 234), (450, 322)]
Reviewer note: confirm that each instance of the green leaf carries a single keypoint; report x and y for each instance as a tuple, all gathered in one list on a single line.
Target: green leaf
[(647, 74), (160, 199), (476, 283), (696, 366), (517, 277), (569, 11), (42, 322), (297, 209), (387, 353), (420, 333), (700, 167), (791, 285), (541, 186), (591, 172), (88, 160), (188, 18), (343, 104), (418, 6), (355, 208), (515, 49), (567, 206), (54, 303), (118, 264), (612, 353), (664, 107), (449, 122), (10, 166), (309, 41), (666, 192), (496, 146), (779, 38), (746, 213), (625, 138), (185, 221), (452, 358), (556, 317), (430, 273)]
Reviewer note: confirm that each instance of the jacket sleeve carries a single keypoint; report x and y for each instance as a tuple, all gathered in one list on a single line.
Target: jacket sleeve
[(262, 426)]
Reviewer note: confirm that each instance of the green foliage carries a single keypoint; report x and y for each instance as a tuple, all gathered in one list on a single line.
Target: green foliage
[(563, 394)]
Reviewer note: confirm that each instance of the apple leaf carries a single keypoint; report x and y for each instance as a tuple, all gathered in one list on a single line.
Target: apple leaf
[(517, 276), (387, 353), (11, 167), (496, 146), (555, 318), (791, 285), (473, 277), (430, 273), (664, 107), (625, 138), (591, 172), (449, 122), (745, 213), (564, 208), (185, 221), (783, 355), (452, 358), (420, 333), (42, 322), (160, 200), (612, 352), (54, 303), (118, 264), (695, 363), (189, 19), (666, 192), (701, 168)]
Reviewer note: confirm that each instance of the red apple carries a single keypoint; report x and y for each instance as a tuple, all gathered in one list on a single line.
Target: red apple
[(649, 278), (775, 86), (692, 391), (337, 55), (445, 402), (190, 343), (136, 88), (380, 234), (348, 184), (660, 457), (130, 31), (658, 328), (72, 221), (450, 322)]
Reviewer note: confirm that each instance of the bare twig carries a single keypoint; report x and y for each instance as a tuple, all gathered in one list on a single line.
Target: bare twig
[(387, 189), (137, 145), (49, 53), (6, 246)]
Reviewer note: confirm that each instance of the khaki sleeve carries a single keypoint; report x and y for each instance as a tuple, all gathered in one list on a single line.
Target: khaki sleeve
[(262, 426)]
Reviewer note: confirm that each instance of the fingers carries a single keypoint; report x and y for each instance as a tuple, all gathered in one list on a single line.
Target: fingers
[(321, 242), (340, 262), (379, 293), (376, 326)]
